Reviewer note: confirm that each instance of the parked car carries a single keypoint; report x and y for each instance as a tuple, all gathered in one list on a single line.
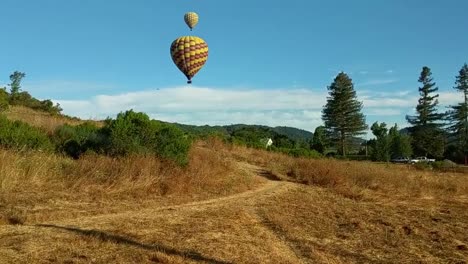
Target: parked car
[(400, 160), (421, 159)]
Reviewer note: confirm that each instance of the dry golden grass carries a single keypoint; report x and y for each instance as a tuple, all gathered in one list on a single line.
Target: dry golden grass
[(126, 182), (354, 179), (324, 227), (230, 205), (43, 120)]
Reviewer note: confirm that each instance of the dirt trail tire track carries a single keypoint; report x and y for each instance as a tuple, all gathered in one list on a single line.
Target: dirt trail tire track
[(245, 199)]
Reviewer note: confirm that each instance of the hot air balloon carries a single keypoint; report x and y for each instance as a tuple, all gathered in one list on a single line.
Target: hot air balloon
[(191, 19), (189, 54)]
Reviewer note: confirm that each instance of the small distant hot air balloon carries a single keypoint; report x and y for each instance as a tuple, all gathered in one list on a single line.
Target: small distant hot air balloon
[(189, 54), (191, 19)]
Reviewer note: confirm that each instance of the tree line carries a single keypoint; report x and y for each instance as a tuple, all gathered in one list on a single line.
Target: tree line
[(18, 97), (129, 133), (433, 133)]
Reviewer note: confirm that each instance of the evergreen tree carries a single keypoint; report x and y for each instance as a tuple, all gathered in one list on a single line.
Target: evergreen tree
[(319, 140), (458, 115), (342, 114), (462, 82), (426, 131), (400, 144), (15, 85), (380, 150)]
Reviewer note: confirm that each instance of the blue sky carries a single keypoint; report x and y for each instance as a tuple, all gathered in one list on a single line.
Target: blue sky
[(269, 62)]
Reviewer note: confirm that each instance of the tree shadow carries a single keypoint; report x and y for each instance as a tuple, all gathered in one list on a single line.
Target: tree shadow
[(106, 237), (268, 174)]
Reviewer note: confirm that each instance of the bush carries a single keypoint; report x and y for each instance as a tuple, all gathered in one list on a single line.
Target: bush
[(18, 135), (444, 165), (130, 133), (75, 140), (3, 100), (25, 99), (299, 152), (314, 154), (250, 136), (135, 133), (172, 144), (423, 166)]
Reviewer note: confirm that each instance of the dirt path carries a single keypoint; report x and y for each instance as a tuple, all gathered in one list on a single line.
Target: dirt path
[(271, 187), (229, 224)]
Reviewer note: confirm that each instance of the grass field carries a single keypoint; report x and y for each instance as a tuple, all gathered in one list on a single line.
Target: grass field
[(230, 205), (46, 121)]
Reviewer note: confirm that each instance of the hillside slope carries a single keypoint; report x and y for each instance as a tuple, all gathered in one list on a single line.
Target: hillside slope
[(258, 214), (231, 204), (43, 120)]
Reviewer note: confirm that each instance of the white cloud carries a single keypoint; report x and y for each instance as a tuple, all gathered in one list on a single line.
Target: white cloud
[(299, 108), (450, 98), (402, 93), (389, 71), (377, 82), (57, 86), (403, 98), (384, 112), (389, 101), (208, 99), (197, 105)]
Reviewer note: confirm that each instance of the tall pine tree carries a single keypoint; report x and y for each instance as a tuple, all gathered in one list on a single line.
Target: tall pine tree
[(15, 86), (319, 140), (458, 115), (380, 150), (428, 137), (400, 144), (342, 114)]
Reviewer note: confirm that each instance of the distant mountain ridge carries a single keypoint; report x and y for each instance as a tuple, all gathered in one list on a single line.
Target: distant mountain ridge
[(293, 133)]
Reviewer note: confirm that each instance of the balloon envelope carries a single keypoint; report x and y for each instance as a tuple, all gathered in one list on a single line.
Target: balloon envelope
[(191, 19), (189, 54)]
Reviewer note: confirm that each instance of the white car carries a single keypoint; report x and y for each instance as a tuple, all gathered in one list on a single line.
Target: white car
[(400, 160), (421, 159)]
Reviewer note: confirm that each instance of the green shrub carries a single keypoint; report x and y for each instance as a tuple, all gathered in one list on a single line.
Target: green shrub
[(18, 135), (444, 165), (3, 100), (135, 133), (314, 154), (298, 152), (172, 144), (130, 132), (250, 137), (423, 166), (75, 140), (25, 99)]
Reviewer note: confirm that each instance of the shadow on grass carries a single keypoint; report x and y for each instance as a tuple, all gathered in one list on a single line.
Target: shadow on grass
[(103, 236), (268, 174)]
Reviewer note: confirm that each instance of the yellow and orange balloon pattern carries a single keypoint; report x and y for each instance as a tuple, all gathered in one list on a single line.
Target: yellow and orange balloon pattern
[(191, 19), (189, 53)]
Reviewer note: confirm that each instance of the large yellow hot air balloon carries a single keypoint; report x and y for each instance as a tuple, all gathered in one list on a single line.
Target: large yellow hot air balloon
[(191, 19), (189, 54)]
